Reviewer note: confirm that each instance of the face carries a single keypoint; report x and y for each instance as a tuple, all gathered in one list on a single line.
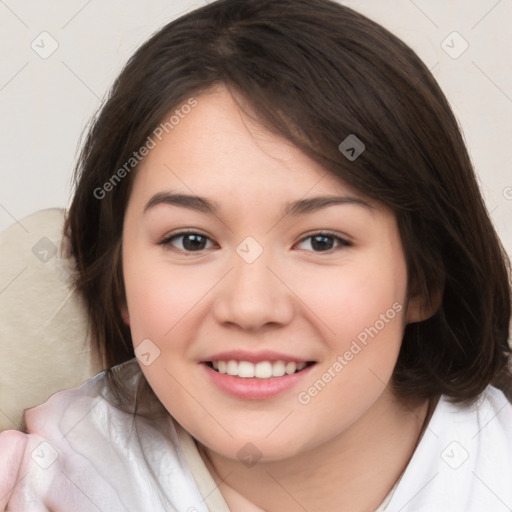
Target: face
[(259, 313)]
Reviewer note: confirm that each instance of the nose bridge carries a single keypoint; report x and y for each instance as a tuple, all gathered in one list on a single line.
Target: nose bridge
[(252, 274), (252, 295), (251, 280)]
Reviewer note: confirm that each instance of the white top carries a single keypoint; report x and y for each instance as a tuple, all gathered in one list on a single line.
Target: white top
[(83, 453)]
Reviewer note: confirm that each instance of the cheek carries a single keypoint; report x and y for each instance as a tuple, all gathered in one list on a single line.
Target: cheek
[(355, 297), (161, 303), (362, 311), (159, 296)]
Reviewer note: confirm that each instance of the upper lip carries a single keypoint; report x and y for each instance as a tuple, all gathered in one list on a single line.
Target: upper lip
[(255, 357)]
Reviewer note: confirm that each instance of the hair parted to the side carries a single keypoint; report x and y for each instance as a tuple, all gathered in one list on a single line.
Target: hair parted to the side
[(314, 72)]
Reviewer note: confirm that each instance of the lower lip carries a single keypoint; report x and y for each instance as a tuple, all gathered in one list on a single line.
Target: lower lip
[(254, 389)]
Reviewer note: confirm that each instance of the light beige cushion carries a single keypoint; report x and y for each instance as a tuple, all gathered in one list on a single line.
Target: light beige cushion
[(43, 327)]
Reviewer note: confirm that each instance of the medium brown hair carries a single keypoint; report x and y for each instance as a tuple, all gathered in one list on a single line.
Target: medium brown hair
[(315, 72)]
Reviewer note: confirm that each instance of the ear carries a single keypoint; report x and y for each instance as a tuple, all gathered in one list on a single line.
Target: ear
[(420, 309), (125, 315)]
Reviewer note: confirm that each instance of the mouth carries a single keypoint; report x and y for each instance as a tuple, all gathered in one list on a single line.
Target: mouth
[(261, 370)]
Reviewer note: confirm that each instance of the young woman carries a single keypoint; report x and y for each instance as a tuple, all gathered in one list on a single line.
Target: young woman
[(293, 280)]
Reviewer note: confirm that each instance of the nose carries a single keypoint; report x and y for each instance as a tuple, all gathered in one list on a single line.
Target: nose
[(253, 295)]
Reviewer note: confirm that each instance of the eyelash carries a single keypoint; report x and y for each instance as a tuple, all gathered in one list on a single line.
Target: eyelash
[(166, 242)]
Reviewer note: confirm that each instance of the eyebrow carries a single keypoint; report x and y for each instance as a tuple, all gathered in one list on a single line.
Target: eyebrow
[(295, 208), (314, 204), (197, 203)]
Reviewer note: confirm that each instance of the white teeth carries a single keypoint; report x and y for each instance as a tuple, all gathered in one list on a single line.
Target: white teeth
[(246, 369), (232, 368), (278, 369), (290, 368), (261, 370)]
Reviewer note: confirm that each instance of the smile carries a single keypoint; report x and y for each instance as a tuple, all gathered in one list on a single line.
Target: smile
[(260, 370)]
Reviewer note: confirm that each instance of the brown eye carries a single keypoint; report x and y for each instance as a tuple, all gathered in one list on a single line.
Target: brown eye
[(322, 243), (186, 242), (325, 242)]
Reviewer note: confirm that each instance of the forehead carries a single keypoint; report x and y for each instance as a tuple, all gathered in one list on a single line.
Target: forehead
[(216, 149)]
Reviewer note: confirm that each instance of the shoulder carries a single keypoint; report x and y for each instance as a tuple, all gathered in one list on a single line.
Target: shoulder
[(32, 463), (84, 445), (464, 459), (487, 421), (66, 409)]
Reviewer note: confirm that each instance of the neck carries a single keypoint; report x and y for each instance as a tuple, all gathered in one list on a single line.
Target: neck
[(355, 470)]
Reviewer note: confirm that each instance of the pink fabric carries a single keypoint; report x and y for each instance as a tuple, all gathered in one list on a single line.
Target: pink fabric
[(12, 448), (83, 454)]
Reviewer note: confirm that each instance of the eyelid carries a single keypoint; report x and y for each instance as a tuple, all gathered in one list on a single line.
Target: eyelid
[(190, 231), (165, 241), (343, 241)]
